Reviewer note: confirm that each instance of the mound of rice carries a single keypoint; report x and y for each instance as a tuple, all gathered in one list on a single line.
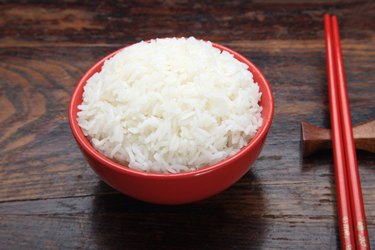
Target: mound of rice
[(171, 105)]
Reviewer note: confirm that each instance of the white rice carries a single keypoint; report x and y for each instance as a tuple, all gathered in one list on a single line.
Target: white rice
[(171, 105)]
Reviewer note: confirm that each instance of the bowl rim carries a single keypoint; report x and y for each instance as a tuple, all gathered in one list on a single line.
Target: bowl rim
[(84, 143)]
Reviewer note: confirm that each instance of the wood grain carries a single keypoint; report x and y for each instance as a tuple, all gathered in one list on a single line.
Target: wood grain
[(50, 198), (125, 21), (316, 138)]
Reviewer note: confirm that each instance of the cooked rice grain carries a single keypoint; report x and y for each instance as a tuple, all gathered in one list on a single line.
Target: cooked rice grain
[(170, 105)]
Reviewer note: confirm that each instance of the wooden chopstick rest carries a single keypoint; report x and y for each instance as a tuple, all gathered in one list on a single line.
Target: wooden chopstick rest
[(316, 138)]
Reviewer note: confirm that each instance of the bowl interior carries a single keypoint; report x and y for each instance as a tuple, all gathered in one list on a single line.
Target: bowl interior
[(267, 113)]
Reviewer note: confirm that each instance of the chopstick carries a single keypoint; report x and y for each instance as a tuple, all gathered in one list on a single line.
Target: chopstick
[(357, 206), (342, 189), (352, 219)]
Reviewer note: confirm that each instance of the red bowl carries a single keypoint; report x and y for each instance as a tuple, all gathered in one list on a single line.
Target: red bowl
[(182, 187)]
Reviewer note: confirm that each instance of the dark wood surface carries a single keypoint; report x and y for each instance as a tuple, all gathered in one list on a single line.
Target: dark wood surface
[(51, 199)]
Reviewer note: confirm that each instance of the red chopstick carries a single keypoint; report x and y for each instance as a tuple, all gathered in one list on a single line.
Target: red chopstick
[(352, 220), (342, 188), (357, 207)]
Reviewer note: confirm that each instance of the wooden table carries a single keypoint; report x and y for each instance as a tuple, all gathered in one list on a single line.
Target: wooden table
[(51, 199)]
